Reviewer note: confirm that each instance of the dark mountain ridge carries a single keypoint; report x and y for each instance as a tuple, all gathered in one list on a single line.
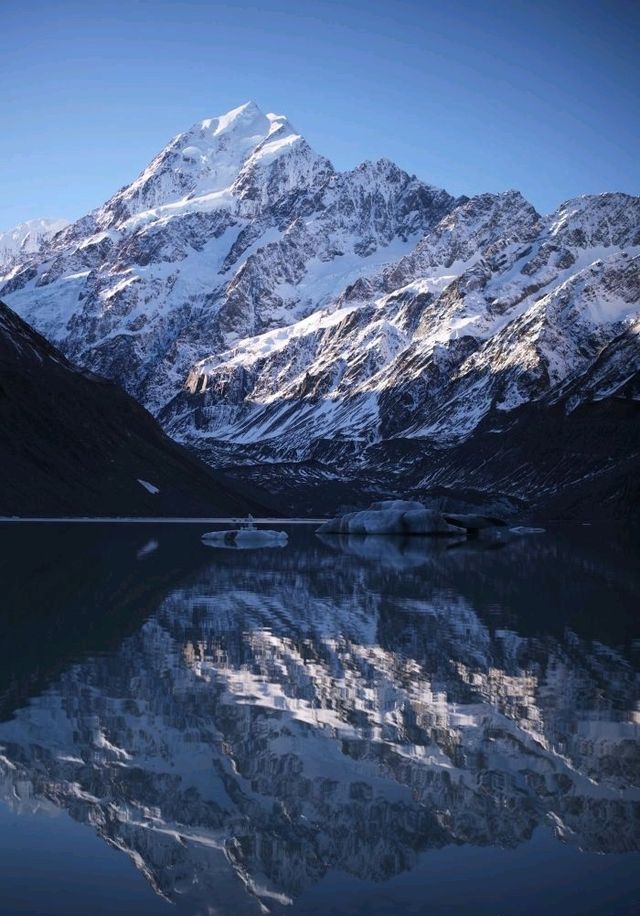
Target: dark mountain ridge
[(72, 443)]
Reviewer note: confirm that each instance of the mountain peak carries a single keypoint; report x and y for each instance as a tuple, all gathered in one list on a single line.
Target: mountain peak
[(235, 119), (605, 219), (28, 237), (247, 108), (210, 165)]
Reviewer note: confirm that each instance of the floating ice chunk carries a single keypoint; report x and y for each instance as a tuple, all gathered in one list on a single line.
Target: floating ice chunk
[(151, 488), (399, 517), (245, 538), (148, 548)]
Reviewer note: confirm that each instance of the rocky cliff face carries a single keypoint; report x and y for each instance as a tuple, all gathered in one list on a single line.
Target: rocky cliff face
[(261, 303), (516, 309)]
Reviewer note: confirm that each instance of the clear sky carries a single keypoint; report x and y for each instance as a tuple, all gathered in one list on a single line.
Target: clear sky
[(470, 95)]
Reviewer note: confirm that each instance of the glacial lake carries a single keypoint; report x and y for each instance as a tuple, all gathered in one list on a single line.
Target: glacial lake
[(333, 727)]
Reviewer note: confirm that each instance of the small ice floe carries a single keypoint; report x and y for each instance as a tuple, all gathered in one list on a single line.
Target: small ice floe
[(149, 487), (246, 536), (524, 529), (147, 548)]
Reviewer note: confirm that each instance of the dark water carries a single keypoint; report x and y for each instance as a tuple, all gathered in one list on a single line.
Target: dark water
[(366, 727)]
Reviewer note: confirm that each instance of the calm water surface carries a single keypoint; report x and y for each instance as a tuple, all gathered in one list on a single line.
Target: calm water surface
[(334, 727)]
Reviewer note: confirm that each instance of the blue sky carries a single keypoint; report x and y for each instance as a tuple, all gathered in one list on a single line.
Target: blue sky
[(471, 96)]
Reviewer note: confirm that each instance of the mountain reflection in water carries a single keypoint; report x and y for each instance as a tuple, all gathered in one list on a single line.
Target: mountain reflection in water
[(244, 724)]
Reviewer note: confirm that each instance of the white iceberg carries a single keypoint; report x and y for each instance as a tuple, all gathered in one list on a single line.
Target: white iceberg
[(240, 538)]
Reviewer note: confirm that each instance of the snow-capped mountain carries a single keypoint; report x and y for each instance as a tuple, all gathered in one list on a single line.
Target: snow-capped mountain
[(236, 227), (262, 304), (27, 238), (495, 307)]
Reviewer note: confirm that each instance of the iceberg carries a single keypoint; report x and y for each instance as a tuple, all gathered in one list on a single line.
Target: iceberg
[(243, 538), (394, 516)]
